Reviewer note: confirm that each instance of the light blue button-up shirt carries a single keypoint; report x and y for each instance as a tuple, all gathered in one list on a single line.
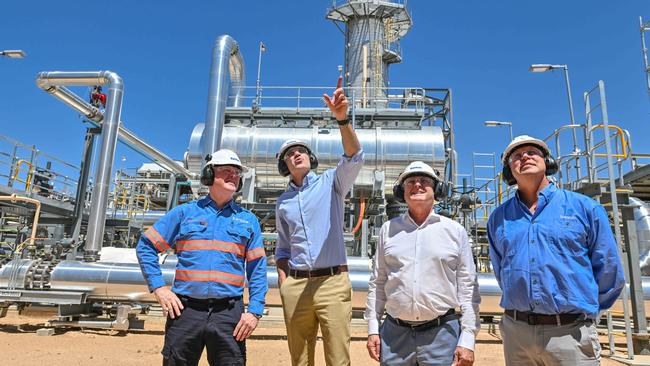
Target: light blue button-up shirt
[(309, 219), (562, 259)]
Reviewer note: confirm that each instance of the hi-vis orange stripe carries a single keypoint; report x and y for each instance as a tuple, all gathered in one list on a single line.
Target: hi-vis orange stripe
[(254, 254), (201, 244), (209, 276), (157, 239)]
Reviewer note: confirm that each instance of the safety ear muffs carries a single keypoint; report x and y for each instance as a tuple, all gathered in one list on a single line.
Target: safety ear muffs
[(551, 165), (439, 189), (283, 169), (507, 177), (207, 174), (313, 161), (398, 192), (549, 161)]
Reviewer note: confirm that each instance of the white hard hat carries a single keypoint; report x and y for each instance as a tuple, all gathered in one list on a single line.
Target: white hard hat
[(289, 144), (225, 157), (520, 141), (418, 168)]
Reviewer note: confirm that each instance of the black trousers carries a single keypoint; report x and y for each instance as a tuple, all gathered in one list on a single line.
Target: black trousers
[(204, 323)]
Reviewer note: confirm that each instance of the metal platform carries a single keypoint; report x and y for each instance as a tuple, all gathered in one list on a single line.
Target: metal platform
[(639, 179)]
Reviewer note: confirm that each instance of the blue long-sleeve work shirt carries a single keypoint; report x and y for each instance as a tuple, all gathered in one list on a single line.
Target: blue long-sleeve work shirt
[(562, 259), (217, 249), (309, 219)]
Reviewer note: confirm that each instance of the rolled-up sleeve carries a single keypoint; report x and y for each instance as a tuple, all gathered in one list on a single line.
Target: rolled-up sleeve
[(468, 294), (376, 300), (346, 172)]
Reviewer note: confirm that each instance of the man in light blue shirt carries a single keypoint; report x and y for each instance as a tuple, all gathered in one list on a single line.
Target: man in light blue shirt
[(556, 261), (310, 252)]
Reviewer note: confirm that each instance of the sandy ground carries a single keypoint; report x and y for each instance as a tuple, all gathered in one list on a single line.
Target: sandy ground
[(20, 345)]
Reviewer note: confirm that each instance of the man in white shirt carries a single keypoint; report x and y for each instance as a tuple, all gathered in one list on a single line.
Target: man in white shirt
[(423, 271)]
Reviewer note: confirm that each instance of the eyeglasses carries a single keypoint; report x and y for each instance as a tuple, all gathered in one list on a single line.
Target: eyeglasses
[(520, 154), (424, 181), (293, 150), (228, 171)]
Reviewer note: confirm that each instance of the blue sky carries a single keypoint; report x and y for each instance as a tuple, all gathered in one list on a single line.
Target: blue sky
[(479, 49)]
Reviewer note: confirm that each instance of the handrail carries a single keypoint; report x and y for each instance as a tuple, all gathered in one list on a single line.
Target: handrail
[(623, 154), (28, 180)]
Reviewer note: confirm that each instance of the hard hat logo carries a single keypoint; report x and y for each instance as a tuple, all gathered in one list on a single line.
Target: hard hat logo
[(225, 157), (417, 168)]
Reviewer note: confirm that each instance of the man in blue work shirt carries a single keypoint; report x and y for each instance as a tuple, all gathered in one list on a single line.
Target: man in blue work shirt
[(556, 261), (310, 254), (219, 246)]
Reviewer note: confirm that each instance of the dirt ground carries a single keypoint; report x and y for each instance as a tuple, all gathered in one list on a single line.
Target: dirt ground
[(21, 346)]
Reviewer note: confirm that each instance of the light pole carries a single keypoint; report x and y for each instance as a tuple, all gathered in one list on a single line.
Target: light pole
[(13, 53), (258, 90), (548, 67), (500, 124)]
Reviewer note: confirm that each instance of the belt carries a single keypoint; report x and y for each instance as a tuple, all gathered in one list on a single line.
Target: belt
[(321, 272), (442, 319), (203, 304), (544, 319)]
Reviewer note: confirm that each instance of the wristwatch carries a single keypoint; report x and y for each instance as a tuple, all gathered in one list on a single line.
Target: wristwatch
[(343, 122)]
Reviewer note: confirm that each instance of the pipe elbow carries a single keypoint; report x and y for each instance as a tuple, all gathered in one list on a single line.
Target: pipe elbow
[(42, 81), (113, 79)]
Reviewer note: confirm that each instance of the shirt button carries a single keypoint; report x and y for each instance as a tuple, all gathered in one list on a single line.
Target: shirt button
[(532, 260), (536, 302), (534, 282), (417, 318), (532, 241)]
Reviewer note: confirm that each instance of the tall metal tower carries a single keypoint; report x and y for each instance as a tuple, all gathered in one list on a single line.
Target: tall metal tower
[(372, 31), (644, 27)]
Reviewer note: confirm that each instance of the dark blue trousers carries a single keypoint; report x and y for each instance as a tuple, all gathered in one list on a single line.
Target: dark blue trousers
[(204, 323)]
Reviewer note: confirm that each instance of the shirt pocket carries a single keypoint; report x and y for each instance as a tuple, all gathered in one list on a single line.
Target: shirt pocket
[(570, 235), (239, 233), (192, 230)]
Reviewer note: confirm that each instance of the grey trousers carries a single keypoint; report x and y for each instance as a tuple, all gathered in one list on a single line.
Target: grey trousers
[(402, 346), (573, 344)]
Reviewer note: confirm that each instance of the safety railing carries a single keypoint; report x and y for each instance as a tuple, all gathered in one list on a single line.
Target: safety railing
[(35, 172), (337, 3), (416, 98)]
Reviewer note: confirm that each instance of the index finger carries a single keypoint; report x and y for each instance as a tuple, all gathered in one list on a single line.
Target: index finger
[(338, 84)]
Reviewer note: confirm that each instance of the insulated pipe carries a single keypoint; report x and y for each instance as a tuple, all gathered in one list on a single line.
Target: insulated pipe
[(73, 100), (93, 113), (130, 138), (226, 60), (110, 126)]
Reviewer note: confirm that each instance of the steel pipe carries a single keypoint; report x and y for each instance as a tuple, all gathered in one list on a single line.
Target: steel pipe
[(227, 62), (110, 126)]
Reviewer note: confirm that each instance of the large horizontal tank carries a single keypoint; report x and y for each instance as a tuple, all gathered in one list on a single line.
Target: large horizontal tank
[(386, 150)]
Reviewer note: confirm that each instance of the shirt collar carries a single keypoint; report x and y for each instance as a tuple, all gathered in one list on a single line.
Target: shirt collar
[(309, 178), (547, 192), (207, 201), (432, 218)]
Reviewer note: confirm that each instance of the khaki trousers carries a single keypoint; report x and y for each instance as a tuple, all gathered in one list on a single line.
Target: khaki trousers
[(310, 302)]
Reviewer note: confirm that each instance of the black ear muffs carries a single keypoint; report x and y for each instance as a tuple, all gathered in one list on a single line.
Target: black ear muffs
[(283, 169), (207, 175), (509, 179), (440, 190)]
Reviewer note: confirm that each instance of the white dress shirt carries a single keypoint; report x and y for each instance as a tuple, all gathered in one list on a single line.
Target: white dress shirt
[(420, 272)]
